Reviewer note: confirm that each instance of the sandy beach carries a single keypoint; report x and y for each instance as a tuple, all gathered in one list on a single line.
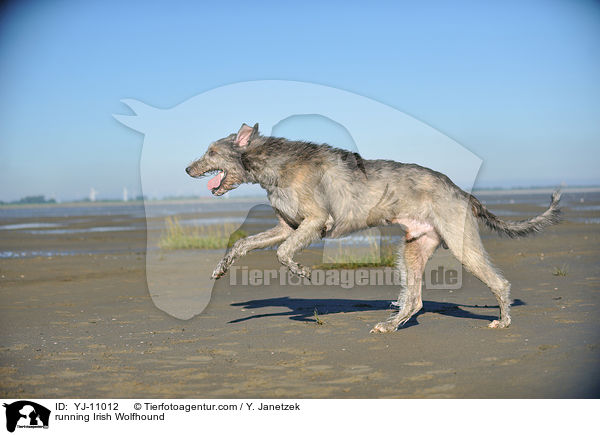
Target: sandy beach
[(78, 320)]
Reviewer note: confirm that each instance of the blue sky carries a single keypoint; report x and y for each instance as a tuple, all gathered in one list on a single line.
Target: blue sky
[(514, 82)]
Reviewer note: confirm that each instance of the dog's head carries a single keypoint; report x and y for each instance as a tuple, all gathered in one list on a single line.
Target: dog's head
[(223, 159)]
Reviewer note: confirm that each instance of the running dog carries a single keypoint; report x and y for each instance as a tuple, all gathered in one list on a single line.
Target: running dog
[(320, 191)]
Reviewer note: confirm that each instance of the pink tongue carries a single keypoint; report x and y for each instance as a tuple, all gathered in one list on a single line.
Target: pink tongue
[(215, 181)]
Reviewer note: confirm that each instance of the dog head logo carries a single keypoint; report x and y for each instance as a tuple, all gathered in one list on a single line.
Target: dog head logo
[(180, 281), (26, 414)]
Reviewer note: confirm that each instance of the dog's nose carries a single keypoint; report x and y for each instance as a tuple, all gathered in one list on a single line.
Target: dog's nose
[(188, 169)]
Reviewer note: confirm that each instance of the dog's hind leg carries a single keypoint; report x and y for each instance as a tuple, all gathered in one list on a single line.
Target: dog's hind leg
[(465, 244), (412, 258), (243, 246)]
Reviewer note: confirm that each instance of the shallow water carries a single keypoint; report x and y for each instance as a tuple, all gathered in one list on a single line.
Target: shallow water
[(63, 220), (29, 225), (53, 253)]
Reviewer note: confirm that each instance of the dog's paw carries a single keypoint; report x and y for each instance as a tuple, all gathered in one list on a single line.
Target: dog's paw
[(305, 272), (216, 274), (497, 324), (301, 271), (221, 269), (382, 327)]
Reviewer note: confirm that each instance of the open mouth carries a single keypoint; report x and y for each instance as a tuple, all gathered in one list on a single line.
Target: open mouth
[(215, 183)]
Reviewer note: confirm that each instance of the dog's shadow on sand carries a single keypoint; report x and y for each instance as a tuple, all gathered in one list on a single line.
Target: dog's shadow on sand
[(304, 310)]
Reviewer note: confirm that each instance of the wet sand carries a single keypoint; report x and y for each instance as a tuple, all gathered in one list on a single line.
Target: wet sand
[(84, 325)]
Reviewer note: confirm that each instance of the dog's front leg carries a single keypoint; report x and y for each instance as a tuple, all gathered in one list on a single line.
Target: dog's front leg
[(241, 247), (309, 230)]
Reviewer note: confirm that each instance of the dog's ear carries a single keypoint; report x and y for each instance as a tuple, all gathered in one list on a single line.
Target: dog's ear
[(245, 134)]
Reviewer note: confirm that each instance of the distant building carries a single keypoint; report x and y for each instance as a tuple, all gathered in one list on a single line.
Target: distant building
[(93, 193)]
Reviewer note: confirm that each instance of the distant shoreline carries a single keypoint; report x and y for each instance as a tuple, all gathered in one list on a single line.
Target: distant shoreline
[(536, 190), (133, 202), (494, 192)]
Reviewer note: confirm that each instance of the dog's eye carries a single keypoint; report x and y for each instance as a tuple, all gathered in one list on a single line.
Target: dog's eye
[(211, 153)]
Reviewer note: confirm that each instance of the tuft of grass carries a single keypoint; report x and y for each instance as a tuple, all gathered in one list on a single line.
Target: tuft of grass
[(177, 236), (317, 318), (348, 260), (560, 271)]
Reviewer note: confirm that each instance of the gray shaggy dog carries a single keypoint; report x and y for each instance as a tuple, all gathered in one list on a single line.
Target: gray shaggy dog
[(318, 191)]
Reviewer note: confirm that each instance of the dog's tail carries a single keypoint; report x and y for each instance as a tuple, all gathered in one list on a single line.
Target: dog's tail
[(522, 228)]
